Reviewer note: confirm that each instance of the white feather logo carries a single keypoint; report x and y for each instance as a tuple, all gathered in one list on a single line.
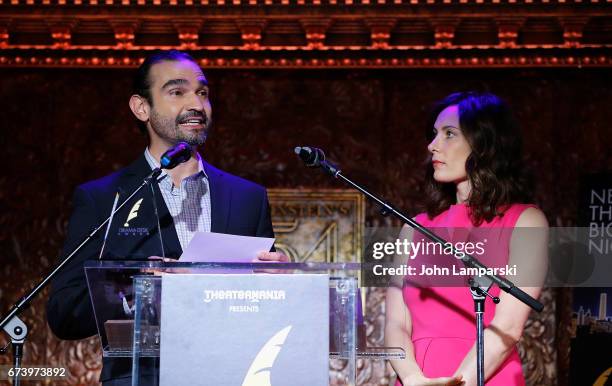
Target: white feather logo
[(259, 372), (133, 213)]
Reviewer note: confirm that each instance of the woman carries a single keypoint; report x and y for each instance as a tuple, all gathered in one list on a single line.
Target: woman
[(475, 181)]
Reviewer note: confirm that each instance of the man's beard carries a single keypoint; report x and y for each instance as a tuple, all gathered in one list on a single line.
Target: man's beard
[(169, 130)]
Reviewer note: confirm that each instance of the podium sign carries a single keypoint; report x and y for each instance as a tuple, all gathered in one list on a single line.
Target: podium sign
[(250, 330), (193, 325)]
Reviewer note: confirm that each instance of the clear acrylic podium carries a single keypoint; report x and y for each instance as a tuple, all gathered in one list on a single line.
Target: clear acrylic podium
[(126, 298)]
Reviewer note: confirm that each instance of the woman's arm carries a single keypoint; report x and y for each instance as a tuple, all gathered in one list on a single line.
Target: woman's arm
[(398, 333), (506, 328)]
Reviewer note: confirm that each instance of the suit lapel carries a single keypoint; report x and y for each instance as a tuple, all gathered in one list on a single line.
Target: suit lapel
[(132, 178), (220, 199), (172, 244)]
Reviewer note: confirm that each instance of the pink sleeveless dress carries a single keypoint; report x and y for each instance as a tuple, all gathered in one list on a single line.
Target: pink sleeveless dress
[(443, 319)]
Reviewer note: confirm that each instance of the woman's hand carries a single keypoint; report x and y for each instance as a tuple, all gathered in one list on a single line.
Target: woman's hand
[(420, 380)]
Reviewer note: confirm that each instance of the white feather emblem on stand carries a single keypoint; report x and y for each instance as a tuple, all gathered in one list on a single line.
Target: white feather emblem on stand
[(259, 372)]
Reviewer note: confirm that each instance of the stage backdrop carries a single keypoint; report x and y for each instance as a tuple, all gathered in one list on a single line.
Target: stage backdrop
[(61, 127)]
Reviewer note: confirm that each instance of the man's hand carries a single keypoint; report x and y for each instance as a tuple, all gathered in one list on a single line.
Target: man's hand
[(272, 257), (159, 272), (267, 257), (162, 259)]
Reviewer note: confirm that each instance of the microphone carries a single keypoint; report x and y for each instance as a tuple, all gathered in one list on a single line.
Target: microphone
[(175, 156), (311, 156), (314, 158)]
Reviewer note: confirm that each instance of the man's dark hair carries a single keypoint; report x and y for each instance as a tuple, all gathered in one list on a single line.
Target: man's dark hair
[(494, 168), (141, 84)]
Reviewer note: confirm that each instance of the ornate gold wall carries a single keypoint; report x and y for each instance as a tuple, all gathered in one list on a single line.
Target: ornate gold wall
[(308, 33)]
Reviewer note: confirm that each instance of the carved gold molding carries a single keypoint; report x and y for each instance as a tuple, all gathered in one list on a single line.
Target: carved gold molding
[(117, 59), (308, 33), (324, 225)]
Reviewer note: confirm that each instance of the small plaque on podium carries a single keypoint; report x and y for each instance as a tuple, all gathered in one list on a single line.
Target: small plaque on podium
[(245, 330)]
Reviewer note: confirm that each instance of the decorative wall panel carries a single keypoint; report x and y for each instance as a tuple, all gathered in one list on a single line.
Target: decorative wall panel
[(62, 126), (318, 225)]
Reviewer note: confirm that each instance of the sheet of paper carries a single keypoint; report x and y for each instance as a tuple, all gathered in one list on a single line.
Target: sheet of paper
[(209, 247)]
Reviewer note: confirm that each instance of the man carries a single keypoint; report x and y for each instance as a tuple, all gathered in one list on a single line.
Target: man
[(170, 101)]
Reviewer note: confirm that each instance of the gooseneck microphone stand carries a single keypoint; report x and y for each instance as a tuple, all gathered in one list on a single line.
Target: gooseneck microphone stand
[(314, 158), (15, 327)]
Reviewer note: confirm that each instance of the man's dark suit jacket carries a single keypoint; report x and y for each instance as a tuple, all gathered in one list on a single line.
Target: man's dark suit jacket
[(238, 207)]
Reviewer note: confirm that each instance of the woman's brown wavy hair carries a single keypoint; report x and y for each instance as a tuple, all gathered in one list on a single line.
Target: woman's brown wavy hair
[(494, 168)]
